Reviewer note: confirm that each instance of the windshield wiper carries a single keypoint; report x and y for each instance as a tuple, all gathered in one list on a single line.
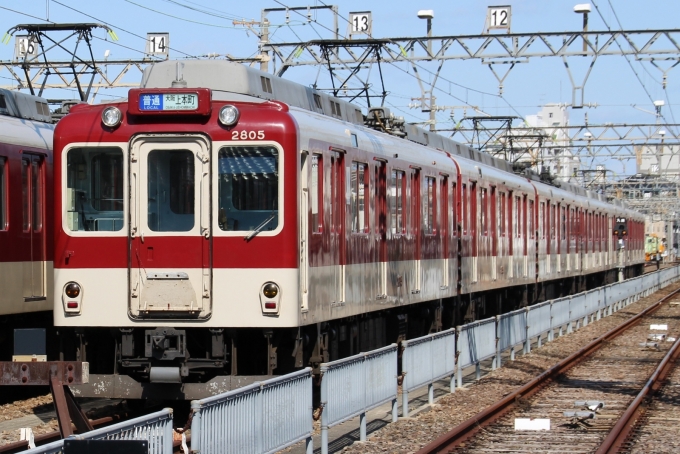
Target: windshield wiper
[(259, 228)]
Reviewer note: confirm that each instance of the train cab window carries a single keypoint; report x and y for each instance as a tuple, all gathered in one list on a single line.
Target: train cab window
[(398, 196), (94, 189), (316, 193), (248, 188), (431, 212), (171, 184), (358, 208), (3, 195)]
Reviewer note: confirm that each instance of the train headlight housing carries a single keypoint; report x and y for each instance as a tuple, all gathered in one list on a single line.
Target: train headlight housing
[(270, 290), (229, 115), (270, 298), (72, 290), (112, 116), (72, 298)]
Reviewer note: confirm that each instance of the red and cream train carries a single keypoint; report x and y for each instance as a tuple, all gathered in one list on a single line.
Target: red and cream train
[(222, 225), (25, 214)]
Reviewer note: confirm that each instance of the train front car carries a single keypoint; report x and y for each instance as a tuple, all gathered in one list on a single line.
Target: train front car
[(176, 233)]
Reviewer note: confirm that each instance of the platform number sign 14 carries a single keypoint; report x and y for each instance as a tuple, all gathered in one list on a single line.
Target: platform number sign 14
[(498, 18), (360, 23), (158, 44)]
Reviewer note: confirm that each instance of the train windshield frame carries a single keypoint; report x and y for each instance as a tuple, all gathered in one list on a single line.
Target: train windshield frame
[(95, 189)]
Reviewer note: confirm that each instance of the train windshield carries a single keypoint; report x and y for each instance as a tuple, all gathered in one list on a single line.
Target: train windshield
[(94, 193), (248, 188)]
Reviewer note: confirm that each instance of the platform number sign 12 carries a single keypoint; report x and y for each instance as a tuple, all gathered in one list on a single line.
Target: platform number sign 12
[(24, 46), (158, 44), (360, 23), (498, 18)]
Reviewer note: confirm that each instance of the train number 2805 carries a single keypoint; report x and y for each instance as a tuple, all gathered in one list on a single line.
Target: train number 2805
[(247, 135)]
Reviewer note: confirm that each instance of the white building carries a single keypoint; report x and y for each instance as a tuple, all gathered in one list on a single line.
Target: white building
[(555, 153)]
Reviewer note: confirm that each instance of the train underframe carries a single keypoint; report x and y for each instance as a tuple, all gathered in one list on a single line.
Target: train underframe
[(196, 362)]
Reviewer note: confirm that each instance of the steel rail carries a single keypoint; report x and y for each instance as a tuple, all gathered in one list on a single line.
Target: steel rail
[(623, 428), (475, 424)]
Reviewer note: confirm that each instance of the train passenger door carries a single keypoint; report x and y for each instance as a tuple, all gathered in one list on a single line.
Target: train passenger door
[(381, 223), (416, 213), (170, 234), (337, 230), (33, 208)]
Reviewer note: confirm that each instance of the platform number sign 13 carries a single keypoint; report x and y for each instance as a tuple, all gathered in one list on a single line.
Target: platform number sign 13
[(498, 18), (360, 23), (24, 46), (158, 44)]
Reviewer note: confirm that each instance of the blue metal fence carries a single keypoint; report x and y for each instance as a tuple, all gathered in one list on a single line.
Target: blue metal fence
[(264, 417)]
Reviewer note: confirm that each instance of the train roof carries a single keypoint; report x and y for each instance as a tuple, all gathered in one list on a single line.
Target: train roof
[(25, 106), (230, 81)]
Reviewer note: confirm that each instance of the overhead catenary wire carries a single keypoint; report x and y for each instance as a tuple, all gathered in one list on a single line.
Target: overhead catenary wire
[(637, 76), (115, 26)]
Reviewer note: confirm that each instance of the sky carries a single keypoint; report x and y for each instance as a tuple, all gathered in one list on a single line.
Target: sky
[(624, 90)]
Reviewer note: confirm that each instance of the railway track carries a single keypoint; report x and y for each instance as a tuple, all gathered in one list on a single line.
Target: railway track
[(607, 373)]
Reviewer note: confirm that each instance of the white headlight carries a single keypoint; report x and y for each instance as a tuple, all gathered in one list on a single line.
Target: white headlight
[(229, 115), (111, 117)]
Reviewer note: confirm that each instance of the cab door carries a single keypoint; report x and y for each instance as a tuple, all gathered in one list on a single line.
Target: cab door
[(170, 237)]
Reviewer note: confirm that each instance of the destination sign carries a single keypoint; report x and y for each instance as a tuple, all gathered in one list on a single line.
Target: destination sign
[(168, 101)]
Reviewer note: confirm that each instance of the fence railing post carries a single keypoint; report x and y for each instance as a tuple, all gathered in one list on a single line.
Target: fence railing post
[(527, 341), (499, 362)]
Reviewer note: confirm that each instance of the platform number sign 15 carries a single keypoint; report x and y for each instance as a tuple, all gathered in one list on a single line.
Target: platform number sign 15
[(158, 44), (360, 23), (498, 18), (24, 46)]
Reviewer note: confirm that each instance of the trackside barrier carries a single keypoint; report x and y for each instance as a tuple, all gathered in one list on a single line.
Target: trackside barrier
[(475, 342), (425, 360), (354, 385), (577, 308), (559, 314), (264, 417), (512, 331), (538, 321), (156, 428)]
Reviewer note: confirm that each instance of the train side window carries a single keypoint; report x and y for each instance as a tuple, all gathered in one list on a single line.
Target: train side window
[(502, 213), (248, 188), (358, 209), (542, 219), (530, 221), (463, 211), (398, 193), (3, 195), (518, 218), (483, 217), (454, 211), (416, 205), (511, 226), (37, 194), (316, 193), (444, 203), (431, 213), (25, 194)]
